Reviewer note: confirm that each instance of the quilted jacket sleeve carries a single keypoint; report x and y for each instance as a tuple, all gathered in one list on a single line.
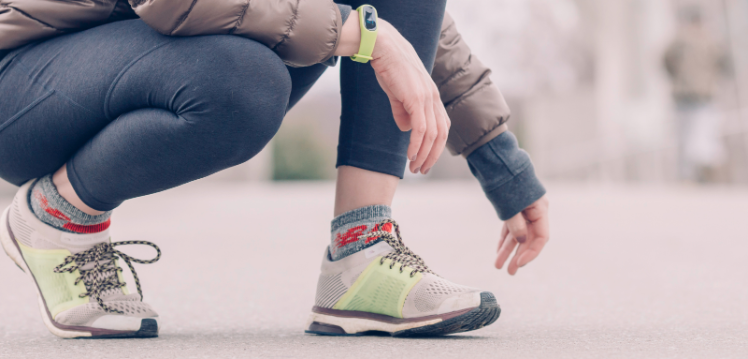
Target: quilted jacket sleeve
[(302, 33), (24, 21), (474, 103)]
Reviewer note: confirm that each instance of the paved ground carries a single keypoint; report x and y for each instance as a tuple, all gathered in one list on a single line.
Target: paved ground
[(629, 273)]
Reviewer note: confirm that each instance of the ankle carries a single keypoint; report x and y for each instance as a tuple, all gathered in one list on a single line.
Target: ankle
[(51, 208), (350, 228), (66, 190)]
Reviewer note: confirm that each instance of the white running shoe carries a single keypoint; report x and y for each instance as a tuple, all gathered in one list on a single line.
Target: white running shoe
[(80, 286), (388, 288)]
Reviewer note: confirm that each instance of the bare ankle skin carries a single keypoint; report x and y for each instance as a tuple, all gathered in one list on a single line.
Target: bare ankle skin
[(65, 188), (358, 188)]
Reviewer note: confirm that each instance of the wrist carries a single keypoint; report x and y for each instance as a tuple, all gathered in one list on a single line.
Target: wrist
[(350, 37), (384, 39)]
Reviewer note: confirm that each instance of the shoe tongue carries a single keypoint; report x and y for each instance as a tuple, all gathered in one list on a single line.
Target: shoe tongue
[(380, 249), (77, 243)]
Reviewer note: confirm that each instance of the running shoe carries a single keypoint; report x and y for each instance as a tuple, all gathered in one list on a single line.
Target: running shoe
[(388, 288), (81, 290)]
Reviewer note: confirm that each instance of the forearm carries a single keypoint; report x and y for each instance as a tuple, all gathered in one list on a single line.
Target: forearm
[(506, 174), (350, 33)]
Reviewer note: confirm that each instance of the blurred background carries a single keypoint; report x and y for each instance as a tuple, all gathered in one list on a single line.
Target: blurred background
[(619, 91)]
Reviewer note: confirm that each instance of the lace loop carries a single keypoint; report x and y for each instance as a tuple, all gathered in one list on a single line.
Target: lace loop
[(103, 276), (401, 254)]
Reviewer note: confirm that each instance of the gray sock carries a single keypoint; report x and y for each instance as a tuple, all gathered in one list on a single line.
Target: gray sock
[(52, 209), (349, 227)]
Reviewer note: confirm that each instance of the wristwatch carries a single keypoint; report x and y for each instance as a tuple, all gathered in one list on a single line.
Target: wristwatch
[(367, 18)]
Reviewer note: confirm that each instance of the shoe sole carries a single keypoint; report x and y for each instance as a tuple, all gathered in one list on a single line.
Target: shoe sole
[(349, 323), (148, 326)]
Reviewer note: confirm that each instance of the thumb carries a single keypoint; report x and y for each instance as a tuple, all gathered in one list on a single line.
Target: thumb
[(517, 227), (402, 118)]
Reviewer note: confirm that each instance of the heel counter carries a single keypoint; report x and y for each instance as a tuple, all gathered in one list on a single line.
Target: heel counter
[(330, 288)]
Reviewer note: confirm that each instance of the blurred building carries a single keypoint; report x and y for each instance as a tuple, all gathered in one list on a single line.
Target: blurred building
[(590, 95), (586, 82), (592, 100)]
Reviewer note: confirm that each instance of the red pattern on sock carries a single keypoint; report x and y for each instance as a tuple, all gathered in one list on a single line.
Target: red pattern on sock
[(387, 227), (94, 228), (354, 235), (77, 228), (44, 203)]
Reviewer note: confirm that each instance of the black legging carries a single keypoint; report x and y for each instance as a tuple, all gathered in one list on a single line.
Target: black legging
[(133, 112)]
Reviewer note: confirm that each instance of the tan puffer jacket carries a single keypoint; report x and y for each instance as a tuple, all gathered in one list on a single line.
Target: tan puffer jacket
[(474, 103), (302, 33)]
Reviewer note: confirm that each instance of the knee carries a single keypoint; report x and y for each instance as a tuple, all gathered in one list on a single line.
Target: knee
[(243, 89)]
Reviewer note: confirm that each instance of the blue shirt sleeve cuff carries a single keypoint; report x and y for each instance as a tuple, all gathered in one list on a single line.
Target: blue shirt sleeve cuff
[(506, 174)]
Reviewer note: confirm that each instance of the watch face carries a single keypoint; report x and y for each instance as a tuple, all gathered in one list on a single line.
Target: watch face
[(370, 18)]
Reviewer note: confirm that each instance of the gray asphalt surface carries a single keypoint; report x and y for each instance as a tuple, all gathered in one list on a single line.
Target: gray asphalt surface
[(637, 272)]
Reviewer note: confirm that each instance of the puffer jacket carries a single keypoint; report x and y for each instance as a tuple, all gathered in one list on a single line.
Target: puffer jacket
[(474, 104), (302, 33)]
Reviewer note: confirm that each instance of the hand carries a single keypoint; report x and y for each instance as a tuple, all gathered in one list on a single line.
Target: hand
[(416, 104), (529, 228), (414, 98)]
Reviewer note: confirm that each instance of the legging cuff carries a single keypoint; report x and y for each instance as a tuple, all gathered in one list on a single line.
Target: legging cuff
[(84, 194), (372, 159)]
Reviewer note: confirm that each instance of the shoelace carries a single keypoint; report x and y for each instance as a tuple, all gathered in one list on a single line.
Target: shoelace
[(103, 276), (401, 254)]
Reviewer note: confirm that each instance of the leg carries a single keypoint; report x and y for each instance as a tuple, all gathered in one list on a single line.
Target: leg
[(356, 188), (372, 150), (396, 292), (369, 138), (302, 80), (152, 112), (123, 117)]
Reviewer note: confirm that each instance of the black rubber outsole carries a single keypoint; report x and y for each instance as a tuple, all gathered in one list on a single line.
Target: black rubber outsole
[(148, 329), (486, 314)]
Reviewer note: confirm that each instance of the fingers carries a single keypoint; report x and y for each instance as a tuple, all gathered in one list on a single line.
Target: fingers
[(508, 243), (419, 127), (540, 230), (518, 227), (442, 131), (538, 234), (428, 138), (504, 232), (540, 238)]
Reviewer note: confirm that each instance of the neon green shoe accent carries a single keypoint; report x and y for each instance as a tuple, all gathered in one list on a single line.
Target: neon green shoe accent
[(58, 289), (380, 289)]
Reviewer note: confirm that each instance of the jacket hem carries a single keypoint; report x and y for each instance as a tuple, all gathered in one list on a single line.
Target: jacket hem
[(490, 135)]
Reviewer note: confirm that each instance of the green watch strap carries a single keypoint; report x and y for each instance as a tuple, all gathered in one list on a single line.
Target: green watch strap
[(367, 19)]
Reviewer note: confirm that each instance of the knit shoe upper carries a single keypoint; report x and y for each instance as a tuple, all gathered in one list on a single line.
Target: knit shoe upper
[(387, 287), (78, 278)]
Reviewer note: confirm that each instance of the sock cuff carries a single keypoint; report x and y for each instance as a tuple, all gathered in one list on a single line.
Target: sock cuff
[(361, 214), (76, 215)]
